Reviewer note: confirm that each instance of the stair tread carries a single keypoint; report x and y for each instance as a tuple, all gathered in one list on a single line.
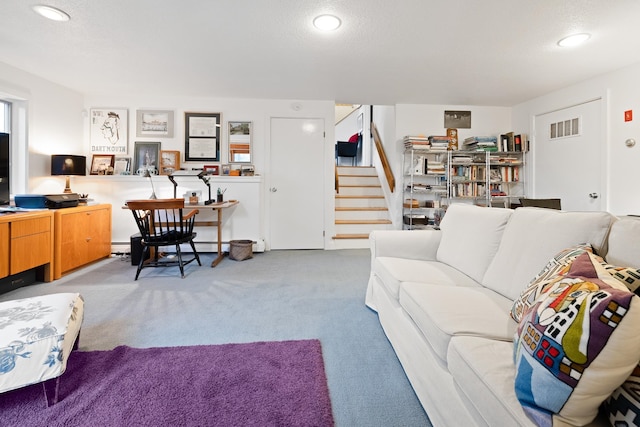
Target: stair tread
[(363, 221), (350, 236), (359, 186), (364, 208), (341, 196)]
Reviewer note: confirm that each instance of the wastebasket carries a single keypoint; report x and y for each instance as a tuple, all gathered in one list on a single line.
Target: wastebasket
[(239, 250)]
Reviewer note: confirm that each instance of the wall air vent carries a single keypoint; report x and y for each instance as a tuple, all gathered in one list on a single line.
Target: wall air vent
[(565, 128)]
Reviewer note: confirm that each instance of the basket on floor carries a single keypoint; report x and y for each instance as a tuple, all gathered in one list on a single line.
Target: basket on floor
[(239, 250)]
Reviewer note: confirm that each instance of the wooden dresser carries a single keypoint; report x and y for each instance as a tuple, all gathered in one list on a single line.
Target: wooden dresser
[(26, 242), (82, 236)]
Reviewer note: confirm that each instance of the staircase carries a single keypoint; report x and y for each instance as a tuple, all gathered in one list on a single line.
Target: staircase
[(360, 207)]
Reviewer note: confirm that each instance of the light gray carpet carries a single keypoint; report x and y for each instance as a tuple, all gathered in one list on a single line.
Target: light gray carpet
[(277, 295)]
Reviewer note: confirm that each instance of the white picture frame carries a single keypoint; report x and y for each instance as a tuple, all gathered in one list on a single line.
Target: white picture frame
[(109, 131), (154, 123)]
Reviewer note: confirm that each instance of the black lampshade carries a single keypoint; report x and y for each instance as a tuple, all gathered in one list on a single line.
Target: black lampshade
[(68, 164)]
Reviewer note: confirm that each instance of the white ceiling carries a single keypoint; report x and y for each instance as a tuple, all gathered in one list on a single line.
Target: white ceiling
[(475, 52)]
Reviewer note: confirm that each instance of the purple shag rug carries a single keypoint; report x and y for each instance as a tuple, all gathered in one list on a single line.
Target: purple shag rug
[(257, 384)]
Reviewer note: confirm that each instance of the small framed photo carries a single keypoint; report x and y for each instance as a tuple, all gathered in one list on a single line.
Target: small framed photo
[(212, 169), (146, 156), (154, 123), (457, 119), (169, 161), (102, 164), (225, 169), (247, 170), (122, 166)]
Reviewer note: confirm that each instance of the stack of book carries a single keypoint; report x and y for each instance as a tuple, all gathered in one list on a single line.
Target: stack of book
[(481, 143), (434, 167), (439, 143), (416, 142)]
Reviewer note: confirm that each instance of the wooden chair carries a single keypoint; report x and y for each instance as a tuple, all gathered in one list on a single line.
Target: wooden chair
[(161, 223)]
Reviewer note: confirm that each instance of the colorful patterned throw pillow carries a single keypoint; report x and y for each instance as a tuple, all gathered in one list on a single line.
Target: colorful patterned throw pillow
[(557, 266), (575, 344)]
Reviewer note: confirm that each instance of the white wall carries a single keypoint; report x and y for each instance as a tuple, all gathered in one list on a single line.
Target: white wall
[(620, 92)]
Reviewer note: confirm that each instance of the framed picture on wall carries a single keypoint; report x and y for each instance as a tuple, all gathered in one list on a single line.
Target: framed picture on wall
[(146, 157), (154, 123), (240, 142), (109, 130), (202, 136)]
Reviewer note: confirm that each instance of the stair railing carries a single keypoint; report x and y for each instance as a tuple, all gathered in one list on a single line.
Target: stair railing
[(383, 158)]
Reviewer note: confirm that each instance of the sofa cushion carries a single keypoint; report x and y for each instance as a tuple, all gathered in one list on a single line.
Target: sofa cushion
[(393, 271), (441, 312), (471, 236), (576, 344), (484, 373), (558, 265), (623, 242), (532, 236)]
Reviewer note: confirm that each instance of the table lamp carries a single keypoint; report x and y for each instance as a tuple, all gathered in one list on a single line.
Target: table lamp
[(147, 174), (68, 164)]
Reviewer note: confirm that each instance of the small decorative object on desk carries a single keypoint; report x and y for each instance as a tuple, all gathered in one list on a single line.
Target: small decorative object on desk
[(193, 198), (220, 197)]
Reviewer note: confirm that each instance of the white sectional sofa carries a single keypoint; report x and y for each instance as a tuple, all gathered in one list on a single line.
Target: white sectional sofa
[(444, 299)]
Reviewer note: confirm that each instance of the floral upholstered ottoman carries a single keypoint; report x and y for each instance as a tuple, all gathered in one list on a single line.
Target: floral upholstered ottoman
[(36, 337)]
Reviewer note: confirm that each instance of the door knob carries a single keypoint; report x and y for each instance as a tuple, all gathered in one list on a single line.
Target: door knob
[(273, 189), (593, 195)]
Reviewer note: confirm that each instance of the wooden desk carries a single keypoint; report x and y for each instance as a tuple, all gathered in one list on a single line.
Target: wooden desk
[(218, 208)]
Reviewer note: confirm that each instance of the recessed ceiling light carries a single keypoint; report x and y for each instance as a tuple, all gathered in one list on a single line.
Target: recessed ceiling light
[(327, 22), (51, 13), (574, 40)]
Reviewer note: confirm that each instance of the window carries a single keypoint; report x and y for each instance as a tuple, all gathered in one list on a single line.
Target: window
[(13, 120), (5, 117)]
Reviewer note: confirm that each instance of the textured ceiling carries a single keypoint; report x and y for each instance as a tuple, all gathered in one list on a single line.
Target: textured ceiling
[(489, 52)]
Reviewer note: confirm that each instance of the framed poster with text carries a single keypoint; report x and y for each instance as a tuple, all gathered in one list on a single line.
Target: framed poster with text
[(109, 131)]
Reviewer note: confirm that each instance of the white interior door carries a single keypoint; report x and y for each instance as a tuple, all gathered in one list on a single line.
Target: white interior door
[(567, 163), (296, 190)]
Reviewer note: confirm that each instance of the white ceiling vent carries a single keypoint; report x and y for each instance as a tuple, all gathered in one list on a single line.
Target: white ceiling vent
[(565, 128)]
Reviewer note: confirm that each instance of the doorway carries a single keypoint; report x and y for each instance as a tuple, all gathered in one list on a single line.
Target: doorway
[(296, 192), (567, 156)]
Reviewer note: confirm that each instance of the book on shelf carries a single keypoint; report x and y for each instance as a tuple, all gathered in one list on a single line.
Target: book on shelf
[(481, 143), (511, 142)]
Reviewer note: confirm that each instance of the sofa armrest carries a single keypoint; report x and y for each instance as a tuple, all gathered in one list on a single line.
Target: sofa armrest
[(414, 244)]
